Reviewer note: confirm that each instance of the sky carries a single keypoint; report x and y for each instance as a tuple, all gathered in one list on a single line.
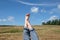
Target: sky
[(12, 12)]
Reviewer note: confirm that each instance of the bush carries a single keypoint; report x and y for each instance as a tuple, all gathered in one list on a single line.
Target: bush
[(53, 22)]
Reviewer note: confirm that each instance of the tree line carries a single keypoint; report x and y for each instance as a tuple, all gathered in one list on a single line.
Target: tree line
[(52, 22)]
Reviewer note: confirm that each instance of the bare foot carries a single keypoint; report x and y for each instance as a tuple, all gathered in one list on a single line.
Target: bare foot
[(27, 16), (26, 20), (28, 25)]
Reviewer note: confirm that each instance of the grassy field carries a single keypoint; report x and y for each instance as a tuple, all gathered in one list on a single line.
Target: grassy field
[(45, 32)]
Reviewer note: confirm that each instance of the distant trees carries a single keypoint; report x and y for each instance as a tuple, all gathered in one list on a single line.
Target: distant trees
[(52, 22), (7, 25)]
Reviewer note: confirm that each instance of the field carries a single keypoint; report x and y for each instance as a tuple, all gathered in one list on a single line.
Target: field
[(45, 32)]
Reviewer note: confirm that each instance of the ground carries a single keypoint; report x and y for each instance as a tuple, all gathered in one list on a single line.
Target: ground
[(45, 32)]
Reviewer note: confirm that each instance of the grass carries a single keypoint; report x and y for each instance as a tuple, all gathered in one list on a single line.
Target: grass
[(11, 31), (45, 32), (56, 31)]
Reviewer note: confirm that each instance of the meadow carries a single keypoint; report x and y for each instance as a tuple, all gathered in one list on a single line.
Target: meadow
[(45, 32)]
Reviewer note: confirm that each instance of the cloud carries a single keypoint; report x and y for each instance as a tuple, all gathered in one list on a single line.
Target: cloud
[(43, 21), (51, 12), (27, 3), (10, 18), (4, 20), (34, 9), (56, 10), (43, 10), (0, 20), (53, 17), (58, 6)]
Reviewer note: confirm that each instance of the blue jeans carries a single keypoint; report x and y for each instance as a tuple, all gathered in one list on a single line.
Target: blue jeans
[(29, 34)]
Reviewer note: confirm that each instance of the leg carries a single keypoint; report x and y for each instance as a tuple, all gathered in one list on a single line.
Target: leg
[(33, 34), (26, 33)]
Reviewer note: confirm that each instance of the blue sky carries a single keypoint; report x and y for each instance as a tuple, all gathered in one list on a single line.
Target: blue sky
[(12, 12)]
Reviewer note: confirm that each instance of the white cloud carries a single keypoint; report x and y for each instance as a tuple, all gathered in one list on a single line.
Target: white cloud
[(0, 20), (43, 10), (53, 18), (11, 18), (51, 12), (43, 21), (4, 20), (55, 10), (58, 6), (34, 9), (27, 3)]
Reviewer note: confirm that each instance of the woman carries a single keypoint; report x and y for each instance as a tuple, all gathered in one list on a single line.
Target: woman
[(29, 32)]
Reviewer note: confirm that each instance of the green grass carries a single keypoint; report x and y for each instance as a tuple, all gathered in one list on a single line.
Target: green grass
[(56, 31), (45, 32), (11, 31)]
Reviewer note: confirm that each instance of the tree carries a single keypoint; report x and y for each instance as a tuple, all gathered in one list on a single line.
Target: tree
[(43, 23), (53, 22)]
